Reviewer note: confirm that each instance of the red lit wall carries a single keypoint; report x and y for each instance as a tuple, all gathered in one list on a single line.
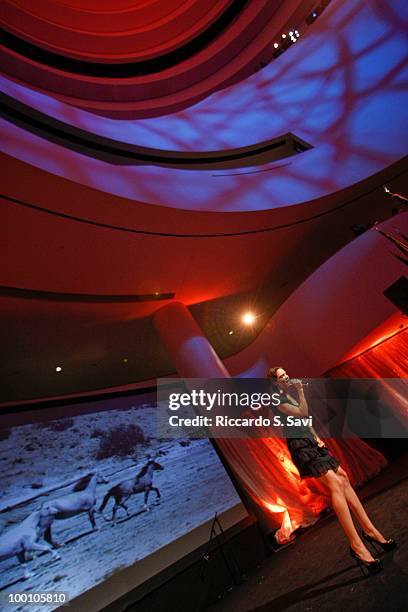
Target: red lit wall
[(334, 314)]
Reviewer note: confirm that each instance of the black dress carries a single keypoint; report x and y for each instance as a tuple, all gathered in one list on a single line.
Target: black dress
[(310, 459)]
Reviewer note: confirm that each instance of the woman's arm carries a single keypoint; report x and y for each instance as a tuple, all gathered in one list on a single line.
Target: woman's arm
[(298, 411), (319, 440)]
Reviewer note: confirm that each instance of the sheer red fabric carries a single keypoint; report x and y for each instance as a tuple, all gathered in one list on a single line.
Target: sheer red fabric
[(387, 360), (285, 502)]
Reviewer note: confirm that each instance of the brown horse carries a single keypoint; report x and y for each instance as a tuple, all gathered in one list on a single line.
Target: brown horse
[(141, 483)]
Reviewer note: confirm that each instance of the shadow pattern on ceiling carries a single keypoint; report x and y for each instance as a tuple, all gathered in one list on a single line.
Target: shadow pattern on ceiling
[(114, 151)]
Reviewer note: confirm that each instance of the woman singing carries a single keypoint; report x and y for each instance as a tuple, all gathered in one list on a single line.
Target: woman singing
[(313, 460)]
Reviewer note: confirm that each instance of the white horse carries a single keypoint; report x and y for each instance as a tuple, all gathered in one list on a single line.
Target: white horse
[(22, 540), (82, 499)]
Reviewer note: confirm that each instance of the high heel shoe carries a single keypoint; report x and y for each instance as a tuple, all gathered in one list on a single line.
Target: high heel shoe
[(372, 567), (387, 546)]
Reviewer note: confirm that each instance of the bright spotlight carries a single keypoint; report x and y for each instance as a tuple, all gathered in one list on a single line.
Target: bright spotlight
[(248, 318), (276, 45), (283, 35), (291, 33), (58, 369)]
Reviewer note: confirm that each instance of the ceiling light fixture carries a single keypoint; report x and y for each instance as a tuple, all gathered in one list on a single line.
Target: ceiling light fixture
[(248, 318)]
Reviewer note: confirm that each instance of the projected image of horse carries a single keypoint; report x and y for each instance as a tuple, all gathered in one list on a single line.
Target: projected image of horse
[(82, 499), (53, 496), (141, 483), (23, 539)]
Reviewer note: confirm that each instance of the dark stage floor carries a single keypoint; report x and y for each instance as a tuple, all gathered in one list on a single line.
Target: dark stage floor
[(317, 573)]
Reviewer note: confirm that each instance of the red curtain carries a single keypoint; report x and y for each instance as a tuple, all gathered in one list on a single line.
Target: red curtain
[(268, 476), (264, 468), (388, 360), (266, 472)]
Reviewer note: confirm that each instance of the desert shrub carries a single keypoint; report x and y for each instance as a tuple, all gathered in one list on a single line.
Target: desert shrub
[(60, 425), (5, 434), (59, 577), (120, 441), (97, 433)]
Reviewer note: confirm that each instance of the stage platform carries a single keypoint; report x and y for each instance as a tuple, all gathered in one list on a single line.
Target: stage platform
[(316, 573)]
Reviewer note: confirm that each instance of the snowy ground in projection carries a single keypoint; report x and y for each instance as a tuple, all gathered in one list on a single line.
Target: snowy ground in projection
[(38, 461)]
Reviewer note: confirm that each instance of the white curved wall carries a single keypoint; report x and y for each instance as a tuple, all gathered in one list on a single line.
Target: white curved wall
[(332, 311)]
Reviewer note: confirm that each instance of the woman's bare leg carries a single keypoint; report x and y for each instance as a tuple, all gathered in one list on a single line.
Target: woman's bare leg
[(358, 509), (340, 507)]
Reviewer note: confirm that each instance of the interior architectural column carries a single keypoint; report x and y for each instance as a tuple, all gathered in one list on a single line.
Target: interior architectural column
[(191, 353)]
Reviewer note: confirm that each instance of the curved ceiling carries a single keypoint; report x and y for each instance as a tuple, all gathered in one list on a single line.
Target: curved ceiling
[(94, 248), (81, 294), (329, 90), (116, 61), (113, 31)]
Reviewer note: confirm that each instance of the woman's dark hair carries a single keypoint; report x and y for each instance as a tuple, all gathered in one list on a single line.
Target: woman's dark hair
[(271, 373)]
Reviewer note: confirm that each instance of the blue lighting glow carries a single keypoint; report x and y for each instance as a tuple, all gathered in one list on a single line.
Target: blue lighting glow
[(333, 90)]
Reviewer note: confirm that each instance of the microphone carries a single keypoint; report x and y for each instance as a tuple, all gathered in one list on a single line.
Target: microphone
[(294, 381)]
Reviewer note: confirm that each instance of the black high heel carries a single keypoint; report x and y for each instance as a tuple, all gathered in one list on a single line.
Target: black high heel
[(372, 567), (387, 546)]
